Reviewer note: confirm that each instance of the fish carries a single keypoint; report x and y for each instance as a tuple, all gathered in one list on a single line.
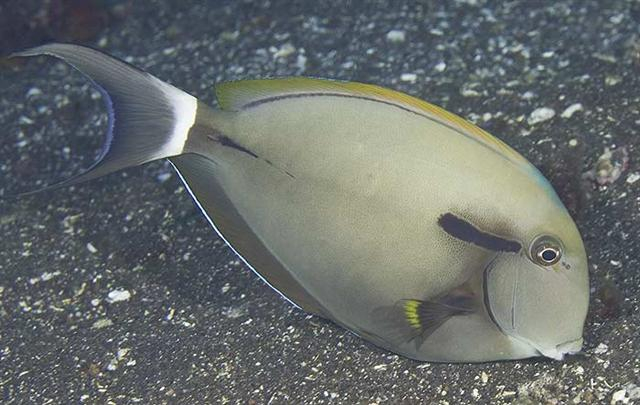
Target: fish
[(387, 215)]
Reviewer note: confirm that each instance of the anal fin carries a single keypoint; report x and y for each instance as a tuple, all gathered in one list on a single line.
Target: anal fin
[(197, 174)]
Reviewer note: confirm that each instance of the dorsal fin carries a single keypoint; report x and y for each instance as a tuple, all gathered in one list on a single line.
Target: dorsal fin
[(238, 94)]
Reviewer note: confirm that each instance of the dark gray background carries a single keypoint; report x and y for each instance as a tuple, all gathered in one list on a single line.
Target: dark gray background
[(198, 325)]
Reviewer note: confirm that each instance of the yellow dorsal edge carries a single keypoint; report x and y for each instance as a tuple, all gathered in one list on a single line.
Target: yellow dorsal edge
[(234, 95)]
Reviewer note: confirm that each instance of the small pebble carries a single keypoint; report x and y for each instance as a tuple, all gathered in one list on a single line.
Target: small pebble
[(301, 62), (348, 64), (24, 120), (440, 67), (475, 394), (234, 312), (101, 323), (605, 58), (572, 109), (163, 177), (468, 90), (601, 349), (122, 352), (484, 377), (633, 177), (409, 77), (118, 296), (578, 370), (113, 365), (34, 91), (528, 95), (396, 36), (284, 51), (617, 19), (229, 35), (612, 80), (540, 115)]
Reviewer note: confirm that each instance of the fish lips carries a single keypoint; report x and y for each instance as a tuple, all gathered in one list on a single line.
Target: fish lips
[(559, 351)]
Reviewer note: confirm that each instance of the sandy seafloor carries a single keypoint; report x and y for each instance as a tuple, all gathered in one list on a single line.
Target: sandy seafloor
[(118, 291)]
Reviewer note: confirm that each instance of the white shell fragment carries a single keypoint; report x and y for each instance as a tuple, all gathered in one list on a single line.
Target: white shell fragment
[(284, 51), (118, 296), (409, 77), (572, 109), (540, 115), (396, 36), (91, 248), (633, 177)]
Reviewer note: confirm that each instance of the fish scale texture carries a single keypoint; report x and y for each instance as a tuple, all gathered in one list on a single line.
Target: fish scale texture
[(118, 290)]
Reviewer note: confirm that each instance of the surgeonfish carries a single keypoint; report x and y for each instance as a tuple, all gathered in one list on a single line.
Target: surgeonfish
[(398, 220)]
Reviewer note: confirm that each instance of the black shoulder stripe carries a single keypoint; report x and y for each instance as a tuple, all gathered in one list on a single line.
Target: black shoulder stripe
[(465, 231)]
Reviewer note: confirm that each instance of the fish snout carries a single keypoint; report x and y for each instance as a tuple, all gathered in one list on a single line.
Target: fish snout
[(559, 351), (571, 347)]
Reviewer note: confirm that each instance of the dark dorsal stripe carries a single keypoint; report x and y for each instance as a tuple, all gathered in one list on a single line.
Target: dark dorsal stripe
[(465, 231), (442, 122)]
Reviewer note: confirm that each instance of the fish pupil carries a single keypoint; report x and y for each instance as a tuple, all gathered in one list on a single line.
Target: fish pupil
[(549, 255)]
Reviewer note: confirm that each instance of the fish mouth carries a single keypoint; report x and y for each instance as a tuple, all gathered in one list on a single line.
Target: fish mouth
[(559, 351)]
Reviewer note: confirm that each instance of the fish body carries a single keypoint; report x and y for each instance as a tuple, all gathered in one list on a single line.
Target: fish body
[(385, 214)]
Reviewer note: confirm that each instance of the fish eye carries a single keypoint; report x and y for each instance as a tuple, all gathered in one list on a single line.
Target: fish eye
[(546, 251)]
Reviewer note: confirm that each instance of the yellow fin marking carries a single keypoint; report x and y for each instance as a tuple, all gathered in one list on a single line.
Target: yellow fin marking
[(411, 313)]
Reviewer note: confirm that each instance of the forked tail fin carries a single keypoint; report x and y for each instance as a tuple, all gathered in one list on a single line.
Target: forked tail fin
[(148, 118)]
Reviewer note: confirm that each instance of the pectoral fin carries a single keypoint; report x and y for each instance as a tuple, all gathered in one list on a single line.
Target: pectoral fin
[(415, 320)]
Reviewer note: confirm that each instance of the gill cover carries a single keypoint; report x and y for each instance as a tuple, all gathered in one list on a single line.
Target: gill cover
[(543, 307)]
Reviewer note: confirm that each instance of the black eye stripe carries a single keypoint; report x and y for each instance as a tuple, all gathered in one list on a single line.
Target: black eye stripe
[(465, 231)]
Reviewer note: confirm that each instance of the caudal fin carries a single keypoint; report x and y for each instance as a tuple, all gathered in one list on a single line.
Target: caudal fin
[(148, 118)]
